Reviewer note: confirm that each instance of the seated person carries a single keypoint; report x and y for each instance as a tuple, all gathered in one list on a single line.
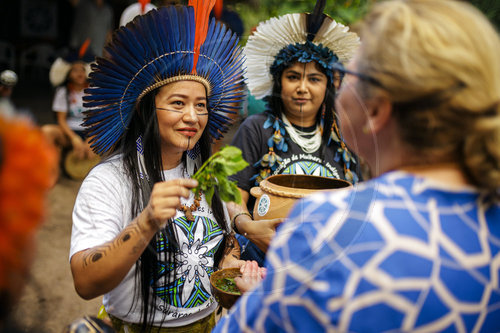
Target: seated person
[(70, 77)]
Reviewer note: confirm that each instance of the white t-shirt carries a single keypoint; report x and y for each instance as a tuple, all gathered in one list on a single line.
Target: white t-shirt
[(102, 211), (75, 113)]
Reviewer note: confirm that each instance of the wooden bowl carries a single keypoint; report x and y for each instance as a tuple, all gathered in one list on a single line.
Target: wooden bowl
[(225, 299)]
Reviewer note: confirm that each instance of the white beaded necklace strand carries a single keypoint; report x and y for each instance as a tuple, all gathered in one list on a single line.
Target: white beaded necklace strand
[(308, 145)]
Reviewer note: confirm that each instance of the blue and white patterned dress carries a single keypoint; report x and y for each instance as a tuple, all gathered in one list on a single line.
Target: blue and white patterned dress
[(397, 253)]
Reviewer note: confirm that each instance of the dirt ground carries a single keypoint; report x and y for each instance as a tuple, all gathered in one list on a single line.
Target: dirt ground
[(49, 301)]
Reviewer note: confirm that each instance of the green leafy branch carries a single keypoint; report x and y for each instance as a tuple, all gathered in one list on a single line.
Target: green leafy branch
[(214, 172)]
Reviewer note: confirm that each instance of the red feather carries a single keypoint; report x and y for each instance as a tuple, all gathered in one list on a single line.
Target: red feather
[(84, 48), (218, 9), (202, 9), (143, 5)]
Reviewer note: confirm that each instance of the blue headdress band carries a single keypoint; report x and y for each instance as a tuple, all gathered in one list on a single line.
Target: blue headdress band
[(304, 53), (156, 49)]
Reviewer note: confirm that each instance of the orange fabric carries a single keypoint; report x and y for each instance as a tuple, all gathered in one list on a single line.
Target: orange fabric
[(26, 165), (202, 10)]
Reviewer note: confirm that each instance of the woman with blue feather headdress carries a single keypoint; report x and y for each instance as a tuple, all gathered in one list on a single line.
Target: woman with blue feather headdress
[(140, 236)]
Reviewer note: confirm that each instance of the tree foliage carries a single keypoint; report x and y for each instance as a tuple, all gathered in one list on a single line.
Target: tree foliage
[(255, 11), (491, 8), (345, 11)]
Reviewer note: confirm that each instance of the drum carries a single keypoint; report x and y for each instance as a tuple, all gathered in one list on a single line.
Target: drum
[(77, 168)]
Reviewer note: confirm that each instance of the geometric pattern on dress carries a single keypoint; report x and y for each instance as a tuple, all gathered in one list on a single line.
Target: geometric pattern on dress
[(394, 254), (197, 241), (307, 168)]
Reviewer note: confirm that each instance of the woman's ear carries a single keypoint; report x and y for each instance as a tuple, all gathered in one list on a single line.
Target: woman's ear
[(379, 113)]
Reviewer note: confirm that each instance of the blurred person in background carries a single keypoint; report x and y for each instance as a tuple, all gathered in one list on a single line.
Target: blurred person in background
[(27, 162), (89, 324), (93, 20), (141, 7), (417, 248), (8, 80), (69, 75)]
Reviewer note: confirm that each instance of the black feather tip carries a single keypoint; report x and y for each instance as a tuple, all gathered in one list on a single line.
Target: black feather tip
[(315, 19)]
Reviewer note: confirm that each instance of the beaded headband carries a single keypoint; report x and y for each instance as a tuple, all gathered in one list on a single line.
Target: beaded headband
[(163, 46)]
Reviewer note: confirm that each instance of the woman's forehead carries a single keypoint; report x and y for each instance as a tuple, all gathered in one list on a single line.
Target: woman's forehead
[(308, 68), (78, 64), (193, 87)]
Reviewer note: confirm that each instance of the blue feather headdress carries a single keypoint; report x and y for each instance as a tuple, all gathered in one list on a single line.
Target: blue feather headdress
[(158, 48)]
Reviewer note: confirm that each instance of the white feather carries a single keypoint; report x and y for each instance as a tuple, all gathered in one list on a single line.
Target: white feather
[(278, 32)]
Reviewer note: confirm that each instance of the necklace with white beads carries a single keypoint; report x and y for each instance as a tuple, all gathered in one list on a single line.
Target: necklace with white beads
[(308, 144)]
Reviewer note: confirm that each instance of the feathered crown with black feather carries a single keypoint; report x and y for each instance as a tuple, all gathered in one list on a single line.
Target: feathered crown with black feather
[(304, 37), (170, 44)]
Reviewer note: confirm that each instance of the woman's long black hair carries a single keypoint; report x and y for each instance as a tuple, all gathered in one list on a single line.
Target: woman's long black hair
[(276, 107), (144, 123)]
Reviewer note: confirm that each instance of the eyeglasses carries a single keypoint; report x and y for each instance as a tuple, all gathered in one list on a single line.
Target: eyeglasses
[(342, 70)]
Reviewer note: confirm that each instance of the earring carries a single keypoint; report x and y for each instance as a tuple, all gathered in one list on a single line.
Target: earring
[(365, 129), (195, 152), (139, 147)]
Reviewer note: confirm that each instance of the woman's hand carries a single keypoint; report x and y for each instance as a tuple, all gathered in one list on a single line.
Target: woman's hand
[(165, 200), (260, 232), (251, 276), (79, 146), (89, 153), (230, 261)]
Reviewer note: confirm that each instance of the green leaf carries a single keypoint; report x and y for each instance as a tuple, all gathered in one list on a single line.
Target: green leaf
[(209, 193), (214, 172)]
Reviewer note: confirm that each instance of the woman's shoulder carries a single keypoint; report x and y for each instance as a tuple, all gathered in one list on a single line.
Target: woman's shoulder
[(61, 91), (258, 118), (109, 169), (382, 194), (255, 123), (109, 176), (354, 198)]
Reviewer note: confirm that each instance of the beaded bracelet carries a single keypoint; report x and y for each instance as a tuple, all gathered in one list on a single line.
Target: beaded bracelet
[(233, 222)]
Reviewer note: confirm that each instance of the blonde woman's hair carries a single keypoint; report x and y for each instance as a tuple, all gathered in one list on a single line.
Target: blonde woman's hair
[(439, 61)]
